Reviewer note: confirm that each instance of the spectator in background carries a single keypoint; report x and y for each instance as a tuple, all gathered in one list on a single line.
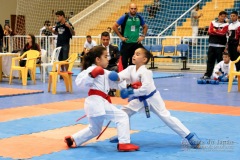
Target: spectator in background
[(152, 10), (112, 56), (1, 38), (47, 22), (30, 45), (65, 30), (233, 45), (46, 32), (130, 27), (109, 30), (221, 70), (194, 23), (7, 32), (113, 52), (89, 44), (217, 42)]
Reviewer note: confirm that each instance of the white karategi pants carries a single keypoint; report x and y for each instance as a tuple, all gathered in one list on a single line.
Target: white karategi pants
[(95, 123), (157, 106)]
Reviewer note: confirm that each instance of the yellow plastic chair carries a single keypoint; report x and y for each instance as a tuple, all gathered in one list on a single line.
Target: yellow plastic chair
[(31, 57), (232, 74), (67, 75)]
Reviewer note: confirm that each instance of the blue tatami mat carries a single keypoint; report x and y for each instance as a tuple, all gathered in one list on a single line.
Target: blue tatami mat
[(153, 146), (157, 141), (234, 83), (165, 75)]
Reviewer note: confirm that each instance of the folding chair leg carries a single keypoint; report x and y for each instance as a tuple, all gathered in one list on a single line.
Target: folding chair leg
[(66, 83), (43, 74), (33, 77), (70, 84), (20, 75), (54, 84), (230, 81), (238, 84), (10, 77), (24, 77), (49, 82)]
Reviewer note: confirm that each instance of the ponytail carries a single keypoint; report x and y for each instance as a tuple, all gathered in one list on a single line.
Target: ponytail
[(90, 57)]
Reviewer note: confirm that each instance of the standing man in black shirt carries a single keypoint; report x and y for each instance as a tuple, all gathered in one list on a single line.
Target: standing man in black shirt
[(65, 31)]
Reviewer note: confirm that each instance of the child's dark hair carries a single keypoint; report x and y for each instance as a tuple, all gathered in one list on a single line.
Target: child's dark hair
[(88, 36), (234, 12), (222, 13), (148, 54), (91, 56), (226, 54)]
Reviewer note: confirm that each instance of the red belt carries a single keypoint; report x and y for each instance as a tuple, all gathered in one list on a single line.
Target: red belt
[(99, 93)]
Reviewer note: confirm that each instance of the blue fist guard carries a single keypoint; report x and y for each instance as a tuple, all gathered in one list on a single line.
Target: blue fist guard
[(193, 140), (113, 76), (215, 82), (202, 81), (224, 79), (124, 93)]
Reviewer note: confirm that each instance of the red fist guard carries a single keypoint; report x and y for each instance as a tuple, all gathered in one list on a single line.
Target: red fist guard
[(136, 85), (96, 72)]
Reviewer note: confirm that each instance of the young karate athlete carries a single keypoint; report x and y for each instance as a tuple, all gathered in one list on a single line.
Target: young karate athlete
[(98, 105), (144, 96), (221, 70)]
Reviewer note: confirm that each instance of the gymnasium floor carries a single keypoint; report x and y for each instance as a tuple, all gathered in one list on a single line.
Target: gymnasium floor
[(32, 126)]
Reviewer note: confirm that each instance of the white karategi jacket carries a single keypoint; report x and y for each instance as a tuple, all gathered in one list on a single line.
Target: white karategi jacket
[(155, 102)]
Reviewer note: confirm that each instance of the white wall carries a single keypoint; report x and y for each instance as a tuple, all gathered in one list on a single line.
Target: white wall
[(37, 11), (7, 7)]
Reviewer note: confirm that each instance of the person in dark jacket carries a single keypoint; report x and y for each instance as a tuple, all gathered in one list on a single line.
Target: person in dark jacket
[(217, 42), (113, 55)]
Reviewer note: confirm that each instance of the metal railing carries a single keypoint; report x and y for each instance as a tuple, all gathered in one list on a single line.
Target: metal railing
[(197, 54)]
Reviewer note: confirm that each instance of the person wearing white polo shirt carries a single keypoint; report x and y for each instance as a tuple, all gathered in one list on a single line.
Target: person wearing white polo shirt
[(89, 44)]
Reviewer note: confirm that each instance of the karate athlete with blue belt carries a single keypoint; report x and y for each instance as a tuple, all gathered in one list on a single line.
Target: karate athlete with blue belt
[(143, 95)]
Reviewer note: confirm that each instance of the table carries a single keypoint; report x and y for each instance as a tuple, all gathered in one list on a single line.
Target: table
[(5, 54)]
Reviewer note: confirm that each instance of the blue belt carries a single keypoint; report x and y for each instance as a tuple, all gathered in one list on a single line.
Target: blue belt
[(143, 99)]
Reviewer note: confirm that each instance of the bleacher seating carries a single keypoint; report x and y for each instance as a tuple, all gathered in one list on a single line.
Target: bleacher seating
[(236, 7), (169, 52), (168, 13)]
